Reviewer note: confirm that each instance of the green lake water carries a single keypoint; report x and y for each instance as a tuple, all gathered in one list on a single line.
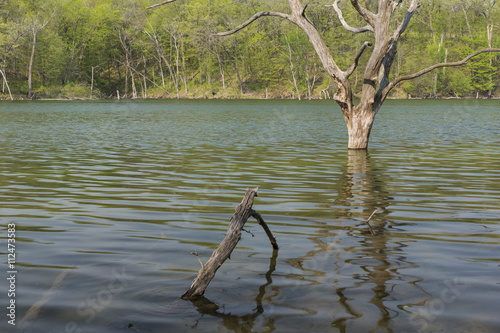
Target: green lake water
[(110, 198)]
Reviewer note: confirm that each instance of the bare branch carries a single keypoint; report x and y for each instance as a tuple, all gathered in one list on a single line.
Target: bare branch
[(404, 24), (393, 4), (298, 18), (197, 256), (43, 24), (367, 222), (160, 4), (269, 234), (242, 212), (428, 69), (142, 74), (253, 18), (391, 53), (6, 83), (344, 23), (365, 13), (356, 59)]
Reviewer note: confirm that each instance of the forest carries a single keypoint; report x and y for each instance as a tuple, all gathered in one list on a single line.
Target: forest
[(92, 49)]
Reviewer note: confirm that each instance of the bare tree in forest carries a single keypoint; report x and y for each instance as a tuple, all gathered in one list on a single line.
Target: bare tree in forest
[(35, 26), (376, 81)]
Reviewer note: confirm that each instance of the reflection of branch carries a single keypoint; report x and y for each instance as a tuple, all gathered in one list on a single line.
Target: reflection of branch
[(35, 309), (344, 23), (207, 307)]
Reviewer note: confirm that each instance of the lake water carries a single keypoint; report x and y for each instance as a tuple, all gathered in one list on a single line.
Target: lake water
[(110, 198)]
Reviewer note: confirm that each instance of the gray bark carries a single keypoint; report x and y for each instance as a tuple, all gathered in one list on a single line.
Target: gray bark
[(6, 83), (242, 212), (376, 83)]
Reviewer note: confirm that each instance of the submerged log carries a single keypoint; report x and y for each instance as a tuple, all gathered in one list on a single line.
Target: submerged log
[(242, 212)]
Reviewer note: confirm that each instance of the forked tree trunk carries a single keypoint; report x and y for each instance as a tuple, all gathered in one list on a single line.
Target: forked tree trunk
[(376, 82)]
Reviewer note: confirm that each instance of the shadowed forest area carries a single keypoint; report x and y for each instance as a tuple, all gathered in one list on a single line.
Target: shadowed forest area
[(109, 48)]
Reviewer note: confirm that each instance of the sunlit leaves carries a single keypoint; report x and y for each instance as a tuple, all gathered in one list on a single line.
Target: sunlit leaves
[(84, 35)]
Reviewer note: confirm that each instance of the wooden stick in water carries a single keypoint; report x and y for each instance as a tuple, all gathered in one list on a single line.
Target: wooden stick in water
[(242, 212)]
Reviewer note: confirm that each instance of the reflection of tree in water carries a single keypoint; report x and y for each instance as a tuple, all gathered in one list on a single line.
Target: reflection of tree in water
[(359, 255), (243, 323), (189, 312), (362, 265)]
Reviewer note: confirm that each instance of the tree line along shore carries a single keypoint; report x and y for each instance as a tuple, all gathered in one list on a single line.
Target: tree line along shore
[(96, 49)]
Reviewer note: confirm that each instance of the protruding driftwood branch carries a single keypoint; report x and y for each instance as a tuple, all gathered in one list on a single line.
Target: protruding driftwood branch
[(223, 251), (368, 222), (269, 234)]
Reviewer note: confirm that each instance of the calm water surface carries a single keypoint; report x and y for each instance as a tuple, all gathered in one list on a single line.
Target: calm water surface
[(109, 200)]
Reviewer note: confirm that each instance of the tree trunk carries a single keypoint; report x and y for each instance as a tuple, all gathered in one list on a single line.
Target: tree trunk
[(145, 93), (6, 83), (92, 83), (467, 20), (239, 77), (436, 73), (126, 81), (177, 58), (376, 79), (134, 89), (221, 70), (292, 70), (359, 126), (489, 33), (161, 71), (184, 66), (30, 66), (173, 77)]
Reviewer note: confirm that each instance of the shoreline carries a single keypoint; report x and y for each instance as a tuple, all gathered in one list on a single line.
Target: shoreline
[(253, 97)]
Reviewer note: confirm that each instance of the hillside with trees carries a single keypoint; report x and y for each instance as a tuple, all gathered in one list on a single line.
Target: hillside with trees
[(110, 48)]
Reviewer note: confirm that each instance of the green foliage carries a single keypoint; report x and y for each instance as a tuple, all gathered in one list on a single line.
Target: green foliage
[(171, 50), (70, 90), (458, 84)]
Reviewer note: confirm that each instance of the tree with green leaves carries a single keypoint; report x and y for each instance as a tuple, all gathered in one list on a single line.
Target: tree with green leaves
[(37, 18), (386, 22)]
